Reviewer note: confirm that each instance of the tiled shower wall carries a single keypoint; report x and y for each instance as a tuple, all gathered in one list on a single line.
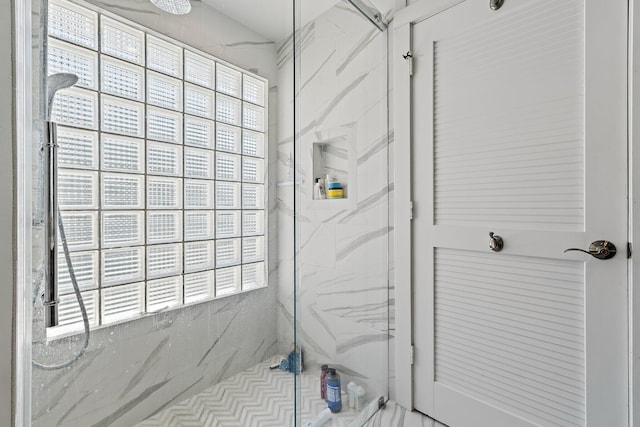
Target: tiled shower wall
[(343, 289), (136, 368)]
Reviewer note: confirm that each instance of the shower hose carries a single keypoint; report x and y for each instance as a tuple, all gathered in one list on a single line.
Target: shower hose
[(83, 309)]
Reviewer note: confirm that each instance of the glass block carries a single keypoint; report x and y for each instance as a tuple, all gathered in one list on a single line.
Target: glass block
[(198, 163), (252, 117), (253, 276), (122, 265), (122, 229), (199, 256), (73, 23), (228, 110), (122, 302), (252, 143), (75, 107), (227, 167), (77, 189), (252, 223), (164, 91), (164, 193), (253, 90), (199, 286), (80, 229), (123, 154), (228, 80), (164, 57), (227, 252), (164, 293), (198, 194), (122, 117), (198, 69), (228, 138), (252, 196), (164, 226), (252, 170), (198, 101), (253, 249), (227, 195), (77, 148), (67, 58), (164, 125), (164, 260), (122, 41), (85, 267), (122, 191), (70, 316), (227, 281), (227, 224), (164, 159), (199, 132), (198, 225), (122, 79)]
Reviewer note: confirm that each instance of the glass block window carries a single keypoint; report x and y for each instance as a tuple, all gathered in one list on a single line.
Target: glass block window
[(162, 175)]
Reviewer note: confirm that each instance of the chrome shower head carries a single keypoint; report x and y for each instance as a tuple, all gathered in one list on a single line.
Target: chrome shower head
[(56, 82), (176, 7)]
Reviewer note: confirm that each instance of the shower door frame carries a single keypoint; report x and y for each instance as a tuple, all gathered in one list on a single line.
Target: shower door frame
[(403, 209)]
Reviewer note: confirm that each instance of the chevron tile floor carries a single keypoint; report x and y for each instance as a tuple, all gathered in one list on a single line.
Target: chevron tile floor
[(259, 397)]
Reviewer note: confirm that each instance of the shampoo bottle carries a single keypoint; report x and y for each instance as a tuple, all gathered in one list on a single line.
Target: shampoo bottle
[(334, 391)]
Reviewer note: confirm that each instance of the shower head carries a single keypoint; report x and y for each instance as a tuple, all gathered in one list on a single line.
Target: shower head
[(176, 7), (56, 82)]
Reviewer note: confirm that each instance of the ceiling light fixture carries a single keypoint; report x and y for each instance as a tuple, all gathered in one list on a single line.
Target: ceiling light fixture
[(177, 7)]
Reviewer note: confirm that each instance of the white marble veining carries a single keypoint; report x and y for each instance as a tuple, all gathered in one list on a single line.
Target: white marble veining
[(342, 289)]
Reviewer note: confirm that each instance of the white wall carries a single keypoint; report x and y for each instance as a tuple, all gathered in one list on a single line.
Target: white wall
[(6, 212)]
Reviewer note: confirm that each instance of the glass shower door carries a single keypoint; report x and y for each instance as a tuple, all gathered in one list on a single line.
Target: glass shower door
[(342, 195)]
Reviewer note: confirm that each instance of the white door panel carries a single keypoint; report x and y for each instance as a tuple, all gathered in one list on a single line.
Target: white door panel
[(519, 128)]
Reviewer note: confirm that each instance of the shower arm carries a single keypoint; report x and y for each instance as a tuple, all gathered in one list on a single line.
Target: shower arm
[(50, 300)]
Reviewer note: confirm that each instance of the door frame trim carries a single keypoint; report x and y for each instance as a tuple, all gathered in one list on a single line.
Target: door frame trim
[(402, 25), (633, 168)]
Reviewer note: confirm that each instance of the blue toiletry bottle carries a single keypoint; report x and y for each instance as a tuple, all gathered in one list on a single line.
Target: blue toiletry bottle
[(334, 391)]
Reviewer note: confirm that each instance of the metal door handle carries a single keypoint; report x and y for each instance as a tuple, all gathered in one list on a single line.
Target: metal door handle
[(601, 249)]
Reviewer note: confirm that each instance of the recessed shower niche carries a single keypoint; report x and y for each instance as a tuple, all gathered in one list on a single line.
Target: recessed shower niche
[(333, 156)]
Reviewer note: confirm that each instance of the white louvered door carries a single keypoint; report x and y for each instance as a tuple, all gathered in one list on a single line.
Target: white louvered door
[(519, 128)]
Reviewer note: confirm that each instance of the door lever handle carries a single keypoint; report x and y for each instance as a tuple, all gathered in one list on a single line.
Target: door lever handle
[(601, 249)]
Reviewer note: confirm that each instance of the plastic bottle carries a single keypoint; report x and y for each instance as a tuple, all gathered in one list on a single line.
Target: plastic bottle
[(361, 400), (318, 190), (296, 360), (334, 391), (323, 381), (319, 420), (351, 391)]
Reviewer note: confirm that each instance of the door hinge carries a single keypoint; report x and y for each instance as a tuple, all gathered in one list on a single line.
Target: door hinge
[(412, 353), (409, 58), (411, 210), (629, 249)]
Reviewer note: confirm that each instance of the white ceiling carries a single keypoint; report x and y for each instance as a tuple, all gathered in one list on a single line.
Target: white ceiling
[(273, 18)]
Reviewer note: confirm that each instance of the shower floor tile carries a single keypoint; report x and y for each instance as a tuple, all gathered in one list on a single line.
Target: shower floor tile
[(259, 397)]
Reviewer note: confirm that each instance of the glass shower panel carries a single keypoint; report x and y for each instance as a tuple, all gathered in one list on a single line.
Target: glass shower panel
[(342, 254), (177, 209)]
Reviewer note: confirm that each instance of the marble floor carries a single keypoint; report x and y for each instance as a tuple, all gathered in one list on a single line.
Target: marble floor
[(260, 397)]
